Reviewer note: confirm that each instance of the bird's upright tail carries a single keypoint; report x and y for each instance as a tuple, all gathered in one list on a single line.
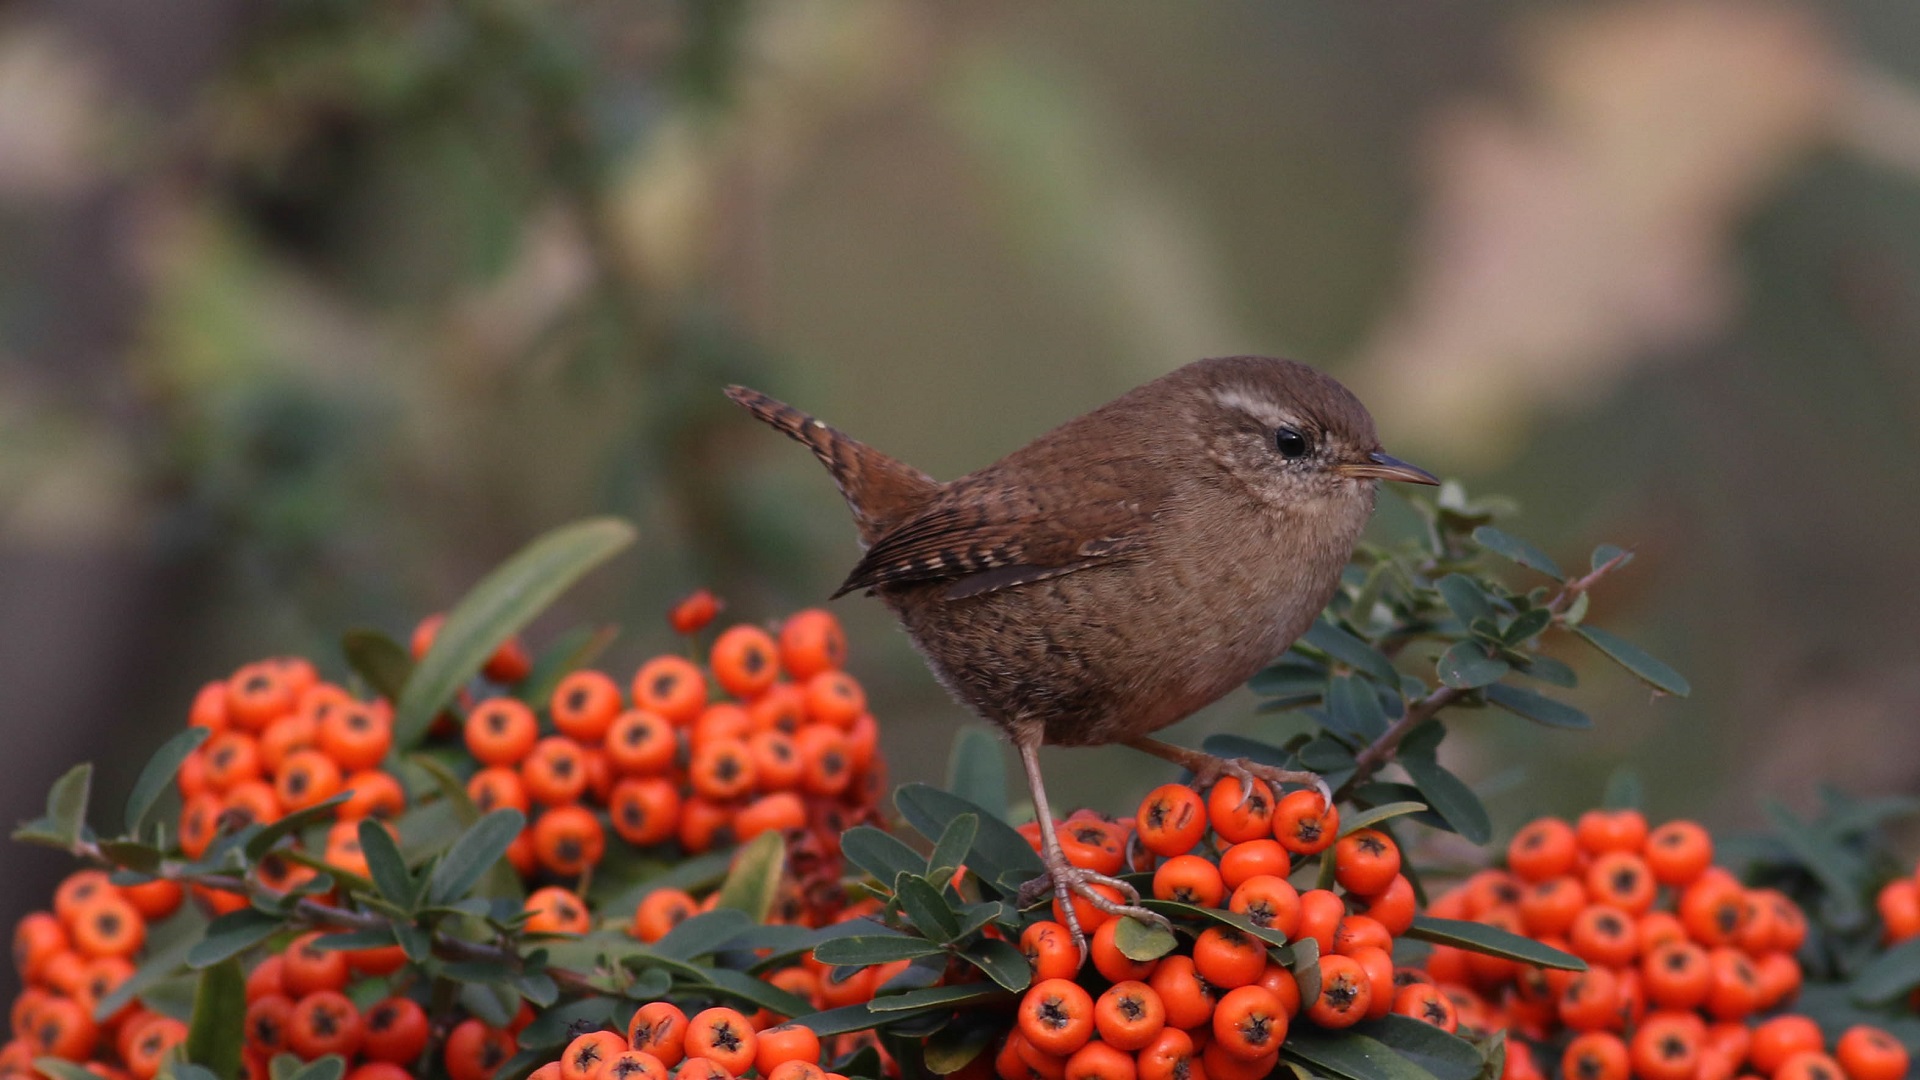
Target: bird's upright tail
[(880, 490)]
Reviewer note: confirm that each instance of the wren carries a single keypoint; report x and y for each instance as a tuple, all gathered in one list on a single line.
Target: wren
[(1125, 569)]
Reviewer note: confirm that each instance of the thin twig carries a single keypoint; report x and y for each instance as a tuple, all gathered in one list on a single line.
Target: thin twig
[(1379, 752)]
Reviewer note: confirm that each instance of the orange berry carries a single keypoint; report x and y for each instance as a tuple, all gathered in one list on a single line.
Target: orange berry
[(1666, 1047), (1188, 999), (641, 743), (396, 1031), (1056, 1016), (1425, 1003), (1239, 816), (584, 704), (1050, 951), (1544, 848), (1269, 901), (659, 1029), (501, 731), (356, 737), (1346, 993), (555, 772), (1678, 852), (692, 614), (1596, 1055), (1320, 913), (1868, 1053), (567, 840), (835, 698), (1171, 820), (745, 661), (1366, 861), (785, 1044), (811, 642), (555, 910), (324, 1022), (1249, 1023), (309, 777), (724, 1037), (670, 687), (1189, 879), (108, 926)]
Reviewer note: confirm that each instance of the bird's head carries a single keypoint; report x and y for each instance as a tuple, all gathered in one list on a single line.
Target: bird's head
[(1292, 435)]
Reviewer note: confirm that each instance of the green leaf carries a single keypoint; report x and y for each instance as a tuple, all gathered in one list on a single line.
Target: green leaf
[(873, 949), (1538, 708), (1514, 549), (1466, 666), (1493, 941), (263, 841), (569, 653), (375, 937), (1465, 598), (1348, 1054), (879, 853), (926, 908), (754, 882), (703, 933), (383, 663), (954, 844), (129, 855), (1606, 553), (1002, 962), (1351, 651), (470, 856), (1526, 625), (977, 768), (1450, 798), (999, 853), (1839, 871), (952, 1048), (384, 864), (158, 774), (67, 803), (936, 997), (1445, 1056), (1304, 962), (841, 1021), (1548, 670), (331, 1067), (1623, 790), (218, 1029), (498, 607), (62, 1069), (1354, 707), (1890, 975), (757, 992), (555, 1027), (1366, 819), (1141, 942), (1191, 913), (1636, 660), (230, 935)]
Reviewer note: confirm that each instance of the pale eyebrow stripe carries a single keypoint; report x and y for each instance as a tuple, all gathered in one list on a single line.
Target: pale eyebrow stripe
[(1257, 407)]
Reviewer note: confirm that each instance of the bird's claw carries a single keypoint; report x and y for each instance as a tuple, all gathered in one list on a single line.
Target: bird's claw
[(1246, 772), (1067, 880)]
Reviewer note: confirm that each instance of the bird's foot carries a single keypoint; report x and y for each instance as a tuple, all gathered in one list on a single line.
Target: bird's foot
[(1246, 772), (1066, 880)]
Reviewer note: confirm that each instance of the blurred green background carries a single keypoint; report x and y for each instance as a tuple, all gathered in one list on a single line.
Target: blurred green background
[(312, 310)]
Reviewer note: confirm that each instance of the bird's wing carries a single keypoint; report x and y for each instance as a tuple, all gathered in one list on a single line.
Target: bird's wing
[(983, 538)]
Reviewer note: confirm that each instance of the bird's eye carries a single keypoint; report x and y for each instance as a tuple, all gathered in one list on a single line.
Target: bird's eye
[(1290, 443)]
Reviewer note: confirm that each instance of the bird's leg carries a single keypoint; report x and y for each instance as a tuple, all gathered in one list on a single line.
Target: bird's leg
[(1066, 878), (1207, 768)]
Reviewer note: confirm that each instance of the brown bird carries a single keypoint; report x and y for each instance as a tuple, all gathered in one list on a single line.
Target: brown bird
[(1125, 569)]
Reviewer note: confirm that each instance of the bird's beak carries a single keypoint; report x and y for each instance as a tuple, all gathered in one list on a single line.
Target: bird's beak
[(1382, 466)]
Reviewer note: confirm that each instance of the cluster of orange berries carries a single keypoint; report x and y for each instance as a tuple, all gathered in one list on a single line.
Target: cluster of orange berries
[(663, 763), (70, 959), (1682, 959), (715, 1044), (1219, 1005)]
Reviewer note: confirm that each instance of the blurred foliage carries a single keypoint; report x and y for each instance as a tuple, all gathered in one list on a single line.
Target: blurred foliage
[(310, 310)]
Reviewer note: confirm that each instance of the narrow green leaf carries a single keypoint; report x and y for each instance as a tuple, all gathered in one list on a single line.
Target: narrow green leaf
[(377, 937), (1841, 872), (1351, 651), (999, 852), (470, 856), (498, 607), (926, 908), (1367, 819), (129, 855), (569, 653), (554, 1028), (1466, 666), (954, 1047), (1191, 913), (384, 864), (217, 1030), (1002, 962), (1892, 974), (1537, 707), (1514, 549), (1606, 553), (1493, 941), (977, 768), (873, 949), (1304, 962), (1623, 790), (759, 993), (230, 935), (934, 996), (1450, 798), (1549, 671), (1445, 1056), (383, 663), (62, 1069), (176, 1069), (1465, 598), (1349, 1055), (879, 853), (841, 1021), (703, 933), (158, 775), (954, 844), (1636, 660), (754, 882), (67, 803), (263, 841), (1354, 707), (1141, 942)]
